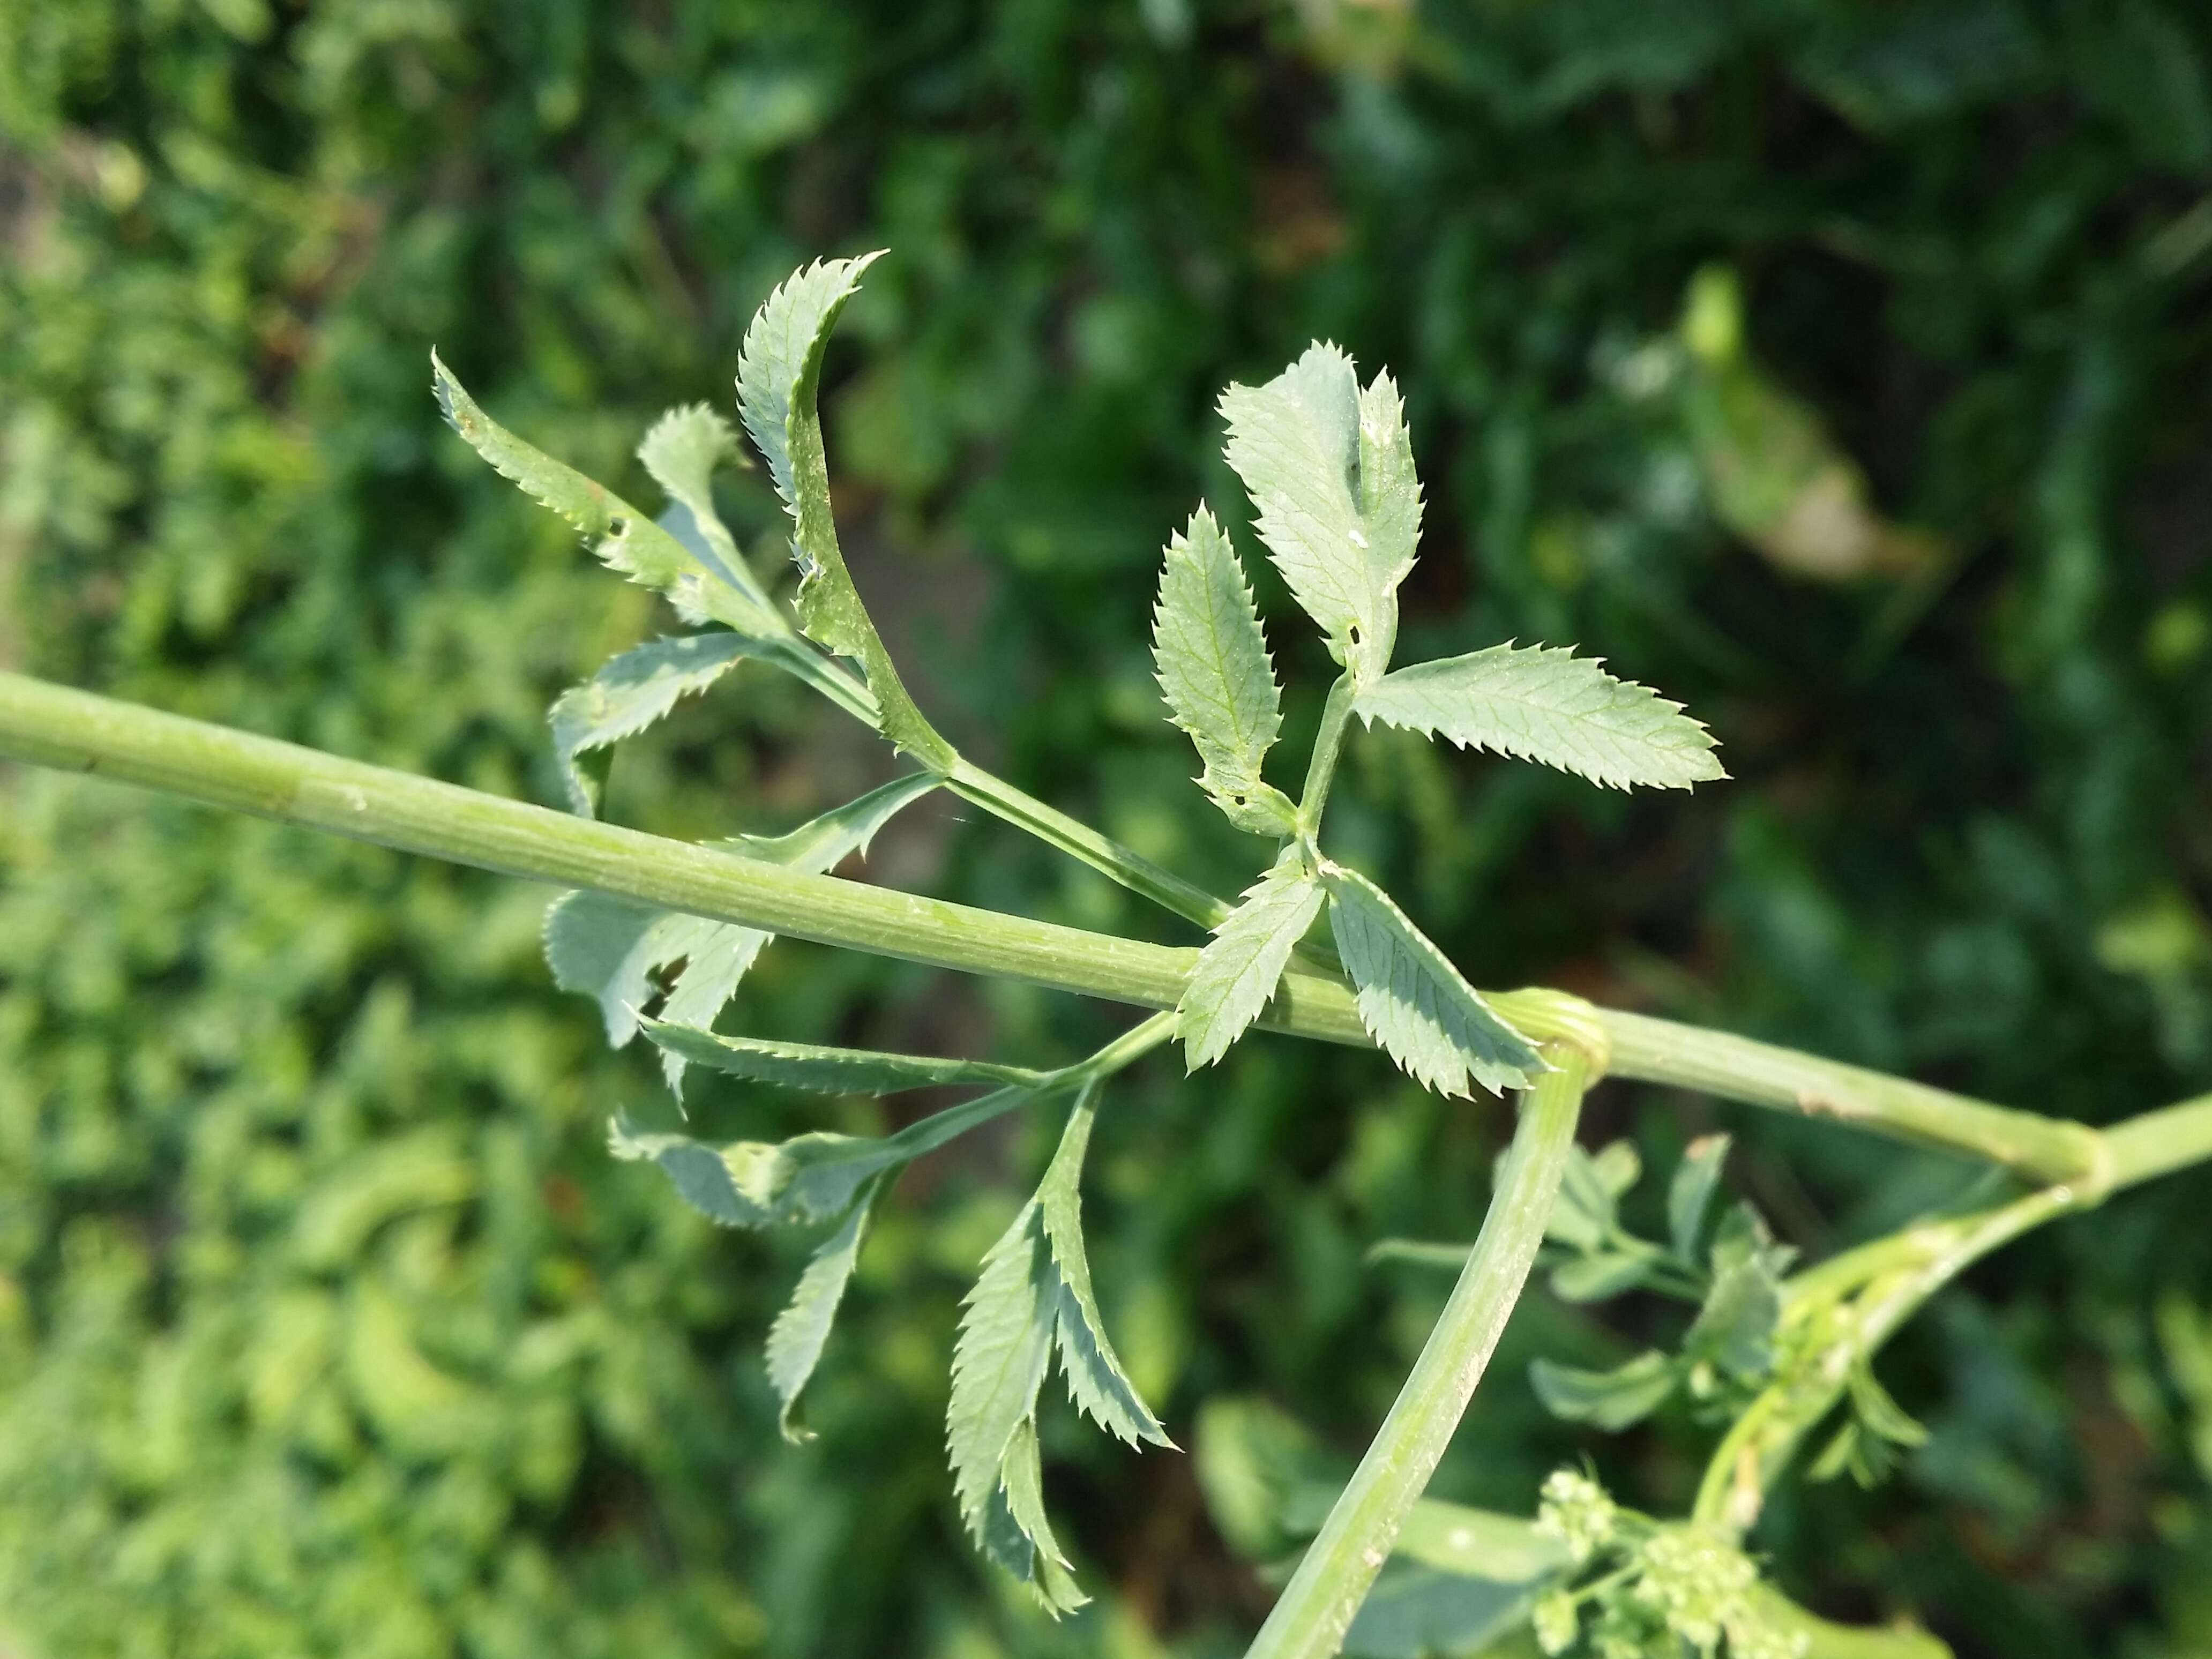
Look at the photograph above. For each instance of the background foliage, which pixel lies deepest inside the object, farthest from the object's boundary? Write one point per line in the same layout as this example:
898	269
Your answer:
325	1324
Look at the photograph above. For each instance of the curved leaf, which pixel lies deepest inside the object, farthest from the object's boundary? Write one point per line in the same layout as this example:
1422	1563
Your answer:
1545	704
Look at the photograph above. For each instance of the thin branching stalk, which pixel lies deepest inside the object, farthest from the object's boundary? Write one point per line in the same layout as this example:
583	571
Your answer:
1315	1609
1850	1306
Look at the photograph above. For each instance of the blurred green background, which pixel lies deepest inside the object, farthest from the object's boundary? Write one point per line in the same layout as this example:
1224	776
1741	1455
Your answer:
325	1324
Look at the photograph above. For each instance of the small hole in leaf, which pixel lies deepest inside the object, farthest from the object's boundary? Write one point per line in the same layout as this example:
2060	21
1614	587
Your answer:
618	526
1355	633
1237	799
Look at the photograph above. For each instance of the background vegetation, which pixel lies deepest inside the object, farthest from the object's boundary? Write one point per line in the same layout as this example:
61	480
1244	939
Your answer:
325	1324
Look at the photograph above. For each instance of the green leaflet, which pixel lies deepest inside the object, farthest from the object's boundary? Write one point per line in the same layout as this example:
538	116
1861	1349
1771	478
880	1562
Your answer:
1033	1294
1047	1571
1095	1378
1544	703
998	1362
1330	473
796	1340
778	372
1413	1002
1690	1194
630	693
1212	659
1239	968
613	949
827	1071
1734	1330
1611	1400
681	452
624	539
808	1178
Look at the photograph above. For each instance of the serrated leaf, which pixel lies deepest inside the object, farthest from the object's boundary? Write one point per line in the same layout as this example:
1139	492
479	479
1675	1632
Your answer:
1611	1400
808	1178
779	373
632	691
1389	491
796	1340
1544	703
1021	1485
825	1070
623	539
1211	660
1330	473
680	451
1413	1002
615	949
1238	971
1690	1194
1095	1380
1000	1360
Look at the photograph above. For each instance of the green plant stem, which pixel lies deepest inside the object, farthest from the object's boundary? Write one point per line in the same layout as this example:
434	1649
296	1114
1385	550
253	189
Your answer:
2041	1149
1841	1312
1072	835
1759	1443
846	688
1315	1609
53	726
1130	1046
1327	749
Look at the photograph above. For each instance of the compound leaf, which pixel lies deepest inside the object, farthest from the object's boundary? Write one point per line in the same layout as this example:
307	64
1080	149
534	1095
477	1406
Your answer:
630	693
779	373
825	1070
796	1340
681	452
1211	660
1000	1360
1415	1004
1300	444
1544	703
1095	1379
623	539
1238	971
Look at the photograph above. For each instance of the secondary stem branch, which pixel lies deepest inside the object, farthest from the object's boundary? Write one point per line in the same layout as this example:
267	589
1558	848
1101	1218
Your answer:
1310	1617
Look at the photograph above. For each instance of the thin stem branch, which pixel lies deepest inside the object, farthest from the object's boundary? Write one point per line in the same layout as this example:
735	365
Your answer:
1315	1609
1329	747
53	725
1072	835
1840	1313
